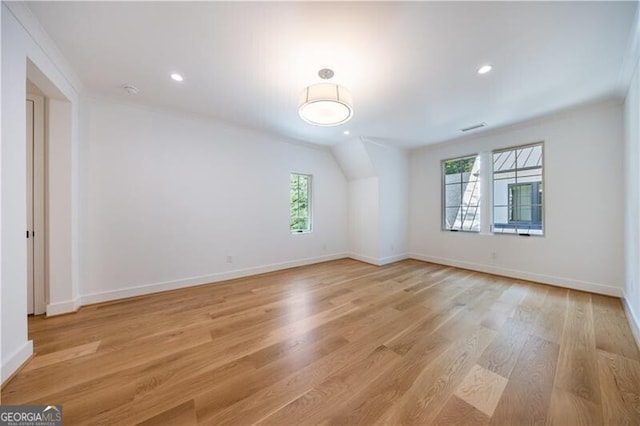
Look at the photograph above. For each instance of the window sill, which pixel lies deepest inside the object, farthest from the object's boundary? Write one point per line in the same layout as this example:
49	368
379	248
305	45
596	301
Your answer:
300	232
465	231
515	234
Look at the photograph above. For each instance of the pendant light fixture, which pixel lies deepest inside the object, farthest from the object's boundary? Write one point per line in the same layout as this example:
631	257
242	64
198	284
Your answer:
325	104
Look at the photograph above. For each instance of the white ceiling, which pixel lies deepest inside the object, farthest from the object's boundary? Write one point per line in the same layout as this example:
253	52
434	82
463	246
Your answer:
410	66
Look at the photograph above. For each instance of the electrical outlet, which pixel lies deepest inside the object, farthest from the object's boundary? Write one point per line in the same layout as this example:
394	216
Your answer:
494	256
229	259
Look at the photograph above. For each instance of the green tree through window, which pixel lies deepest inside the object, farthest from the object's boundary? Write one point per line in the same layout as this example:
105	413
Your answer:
459	166
300	202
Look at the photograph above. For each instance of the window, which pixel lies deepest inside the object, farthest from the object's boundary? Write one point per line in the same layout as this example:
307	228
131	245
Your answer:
525	202
300	203
517	190
461	194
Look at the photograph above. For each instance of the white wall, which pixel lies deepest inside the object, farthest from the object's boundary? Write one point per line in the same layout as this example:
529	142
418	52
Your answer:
18	47
582	246
364	199
632	202
15	347
170	197
60	216
378	199
392	166
354	160
1	285
364	220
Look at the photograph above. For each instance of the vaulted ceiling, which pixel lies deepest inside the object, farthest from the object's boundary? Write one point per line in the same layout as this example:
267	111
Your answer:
411	66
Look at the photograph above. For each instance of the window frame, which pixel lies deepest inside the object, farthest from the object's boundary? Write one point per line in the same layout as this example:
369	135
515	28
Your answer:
535	200
443	194
542	184
309	204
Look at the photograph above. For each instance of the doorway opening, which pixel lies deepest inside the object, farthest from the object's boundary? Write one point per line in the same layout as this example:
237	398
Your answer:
36	210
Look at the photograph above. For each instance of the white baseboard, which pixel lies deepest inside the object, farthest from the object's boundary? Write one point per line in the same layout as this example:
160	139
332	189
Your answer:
378	261
391	259
634	321
523	275
365	259
200	280
15	361
60	308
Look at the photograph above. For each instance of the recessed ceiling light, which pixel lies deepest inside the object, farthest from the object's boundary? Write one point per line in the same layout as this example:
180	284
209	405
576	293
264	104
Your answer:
177	77
346	132
131	89
484	69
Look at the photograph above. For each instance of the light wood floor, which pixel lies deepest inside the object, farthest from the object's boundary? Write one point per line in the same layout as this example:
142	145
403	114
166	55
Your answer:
344	343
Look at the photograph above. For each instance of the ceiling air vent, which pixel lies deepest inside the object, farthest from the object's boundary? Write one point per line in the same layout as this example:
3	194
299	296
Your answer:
474	127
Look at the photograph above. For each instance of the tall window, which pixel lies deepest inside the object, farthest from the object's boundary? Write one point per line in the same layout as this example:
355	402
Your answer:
461	194
517	190
300	202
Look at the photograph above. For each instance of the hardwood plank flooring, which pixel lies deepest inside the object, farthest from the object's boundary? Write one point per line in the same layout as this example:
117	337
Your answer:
340	342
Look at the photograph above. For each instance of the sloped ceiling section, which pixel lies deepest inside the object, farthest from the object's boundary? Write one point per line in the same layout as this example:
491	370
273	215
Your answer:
411	66
354	159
